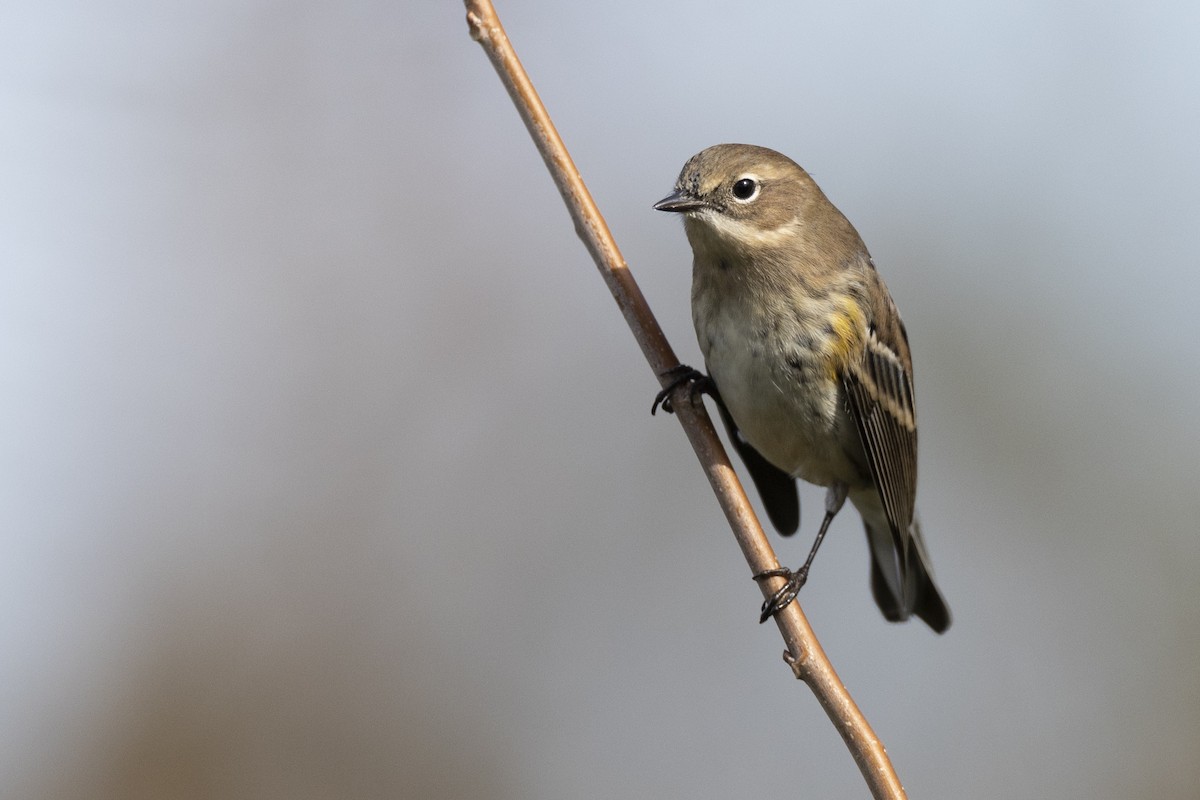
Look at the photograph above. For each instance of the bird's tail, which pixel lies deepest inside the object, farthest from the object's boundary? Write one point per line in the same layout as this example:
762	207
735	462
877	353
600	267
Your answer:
902	578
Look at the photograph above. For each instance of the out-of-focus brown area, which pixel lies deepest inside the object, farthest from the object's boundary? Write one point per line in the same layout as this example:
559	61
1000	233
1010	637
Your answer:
327	467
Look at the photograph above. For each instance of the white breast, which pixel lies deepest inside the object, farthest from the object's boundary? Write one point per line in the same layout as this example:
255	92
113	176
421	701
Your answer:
776	389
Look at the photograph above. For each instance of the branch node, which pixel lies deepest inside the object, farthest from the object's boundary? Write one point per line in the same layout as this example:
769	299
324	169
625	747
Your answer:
475	26
796	663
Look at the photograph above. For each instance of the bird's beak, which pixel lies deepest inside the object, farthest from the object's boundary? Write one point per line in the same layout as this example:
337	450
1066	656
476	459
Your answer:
680	201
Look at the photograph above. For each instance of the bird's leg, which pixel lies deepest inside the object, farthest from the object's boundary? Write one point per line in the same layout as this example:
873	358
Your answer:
679	375
834	498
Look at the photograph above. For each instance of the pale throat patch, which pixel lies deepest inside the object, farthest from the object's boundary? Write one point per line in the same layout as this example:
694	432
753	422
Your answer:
745	233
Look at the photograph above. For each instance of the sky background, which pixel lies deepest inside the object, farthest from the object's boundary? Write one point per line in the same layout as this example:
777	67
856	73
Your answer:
327	466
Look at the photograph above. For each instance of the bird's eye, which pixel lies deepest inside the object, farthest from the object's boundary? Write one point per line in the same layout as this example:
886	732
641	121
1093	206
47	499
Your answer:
745	189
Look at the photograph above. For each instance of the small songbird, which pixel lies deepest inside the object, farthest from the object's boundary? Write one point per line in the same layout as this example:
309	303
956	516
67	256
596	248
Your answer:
808	361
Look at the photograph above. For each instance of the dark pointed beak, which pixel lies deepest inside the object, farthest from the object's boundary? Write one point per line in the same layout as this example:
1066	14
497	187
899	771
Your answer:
679	201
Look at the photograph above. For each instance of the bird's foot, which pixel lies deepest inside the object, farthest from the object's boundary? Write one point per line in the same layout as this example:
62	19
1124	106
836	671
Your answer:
679	375
786	594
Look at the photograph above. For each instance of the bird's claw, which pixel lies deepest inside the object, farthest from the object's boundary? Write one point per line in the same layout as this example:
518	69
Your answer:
679	375
786	594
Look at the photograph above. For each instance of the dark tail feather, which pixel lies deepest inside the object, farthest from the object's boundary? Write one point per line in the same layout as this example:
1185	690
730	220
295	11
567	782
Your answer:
889	573
888	603
924	598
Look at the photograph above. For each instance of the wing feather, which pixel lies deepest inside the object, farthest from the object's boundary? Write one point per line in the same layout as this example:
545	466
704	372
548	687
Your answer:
880	396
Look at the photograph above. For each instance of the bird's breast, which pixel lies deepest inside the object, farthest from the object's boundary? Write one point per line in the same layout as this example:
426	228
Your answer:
777	363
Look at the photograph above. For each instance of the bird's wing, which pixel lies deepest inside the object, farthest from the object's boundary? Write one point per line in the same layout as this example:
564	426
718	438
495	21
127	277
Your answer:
879	393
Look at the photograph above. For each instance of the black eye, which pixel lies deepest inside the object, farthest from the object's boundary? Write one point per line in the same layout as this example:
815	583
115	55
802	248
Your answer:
745	188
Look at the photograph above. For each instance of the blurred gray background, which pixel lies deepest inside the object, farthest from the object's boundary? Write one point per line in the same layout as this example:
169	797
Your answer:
327	466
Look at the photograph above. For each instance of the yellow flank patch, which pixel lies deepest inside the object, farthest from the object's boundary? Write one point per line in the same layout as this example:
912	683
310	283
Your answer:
848	323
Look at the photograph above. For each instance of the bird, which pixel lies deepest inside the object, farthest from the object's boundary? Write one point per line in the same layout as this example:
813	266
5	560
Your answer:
808	362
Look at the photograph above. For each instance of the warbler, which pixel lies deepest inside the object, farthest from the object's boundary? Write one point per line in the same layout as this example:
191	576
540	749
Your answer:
808	361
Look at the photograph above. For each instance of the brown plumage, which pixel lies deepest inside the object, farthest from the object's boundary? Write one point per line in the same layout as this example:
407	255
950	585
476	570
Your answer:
809	358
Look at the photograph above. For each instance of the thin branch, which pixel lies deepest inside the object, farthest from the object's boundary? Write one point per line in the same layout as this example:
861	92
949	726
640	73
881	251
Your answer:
804	653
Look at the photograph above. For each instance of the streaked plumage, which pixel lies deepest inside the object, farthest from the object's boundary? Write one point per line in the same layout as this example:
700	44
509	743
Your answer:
808	356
